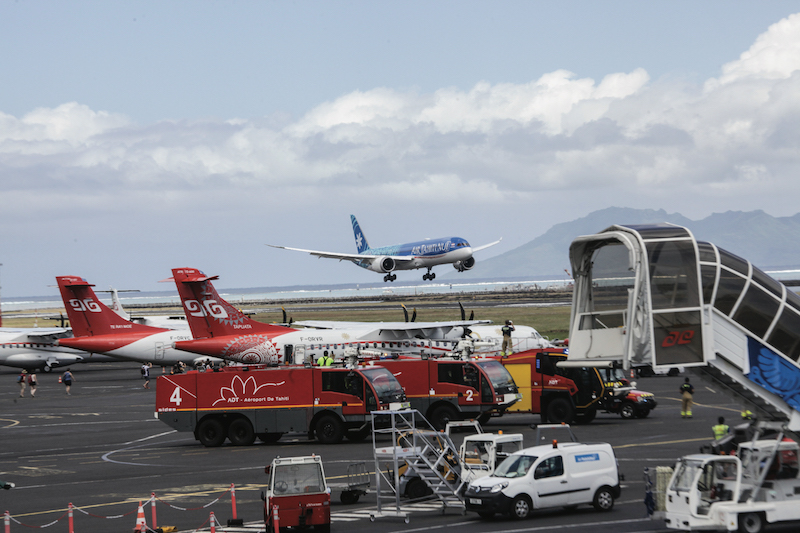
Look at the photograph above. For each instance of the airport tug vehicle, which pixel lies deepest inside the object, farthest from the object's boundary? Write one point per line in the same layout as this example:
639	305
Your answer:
296	494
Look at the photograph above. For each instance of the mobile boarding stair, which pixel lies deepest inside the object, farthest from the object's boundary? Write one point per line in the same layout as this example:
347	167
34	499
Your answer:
431	454
652	295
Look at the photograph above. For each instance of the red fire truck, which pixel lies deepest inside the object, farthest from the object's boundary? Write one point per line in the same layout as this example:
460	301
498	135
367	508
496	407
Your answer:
452	389
242	403
563	392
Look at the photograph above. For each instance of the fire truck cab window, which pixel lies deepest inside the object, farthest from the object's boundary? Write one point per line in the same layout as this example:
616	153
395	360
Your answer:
451	373
343	382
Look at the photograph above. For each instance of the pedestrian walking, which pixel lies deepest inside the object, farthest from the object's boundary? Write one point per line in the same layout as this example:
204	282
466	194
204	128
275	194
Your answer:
686	390
32	382
146	374
66	379
21	379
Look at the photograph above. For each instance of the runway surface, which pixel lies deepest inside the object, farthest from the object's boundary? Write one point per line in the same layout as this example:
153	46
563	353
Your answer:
102	450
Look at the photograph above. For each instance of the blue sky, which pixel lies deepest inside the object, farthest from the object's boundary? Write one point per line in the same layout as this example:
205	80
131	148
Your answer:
140	136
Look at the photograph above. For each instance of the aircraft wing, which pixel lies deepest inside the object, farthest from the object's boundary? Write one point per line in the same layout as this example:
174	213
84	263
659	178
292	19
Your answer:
479	248
390	331
345	256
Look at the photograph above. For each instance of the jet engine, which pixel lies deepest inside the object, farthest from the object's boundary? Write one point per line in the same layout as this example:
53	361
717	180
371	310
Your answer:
466	264
383	264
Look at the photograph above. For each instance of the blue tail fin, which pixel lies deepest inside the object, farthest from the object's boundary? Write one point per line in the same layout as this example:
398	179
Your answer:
361	242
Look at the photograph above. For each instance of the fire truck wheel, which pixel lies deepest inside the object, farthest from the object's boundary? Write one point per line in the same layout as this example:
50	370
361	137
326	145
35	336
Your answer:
441	415
751	523
323	528
586	416
628	410
642	413
241	433
270	438
329	429
559	410
211	433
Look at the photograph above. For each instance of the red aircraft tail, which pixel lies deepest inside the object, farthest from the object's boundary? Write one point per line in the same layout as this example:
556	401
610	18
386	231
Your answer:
88	316
208	314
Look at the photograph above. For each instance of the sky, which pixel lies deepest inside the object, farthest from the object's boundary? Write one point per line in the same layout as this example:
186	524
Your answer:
137	137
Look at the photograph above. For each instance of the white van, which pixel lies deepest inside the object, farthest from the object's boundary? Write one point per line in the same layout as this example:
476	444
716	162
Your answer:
542	477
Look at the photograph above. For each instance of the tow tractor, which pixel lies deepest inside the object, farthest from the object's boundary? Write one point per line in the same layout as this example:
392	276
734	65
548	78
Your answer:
296	494
743	492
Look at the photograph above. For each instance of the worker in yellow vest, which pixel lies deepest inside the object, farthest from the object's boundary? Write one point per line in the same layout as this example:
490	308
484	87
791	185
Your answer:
721	429
325	360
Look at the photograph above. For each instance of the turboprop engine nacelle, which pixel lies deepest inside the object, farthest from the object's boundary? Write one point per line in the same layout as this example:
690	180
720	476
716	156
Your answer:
466	264
383	264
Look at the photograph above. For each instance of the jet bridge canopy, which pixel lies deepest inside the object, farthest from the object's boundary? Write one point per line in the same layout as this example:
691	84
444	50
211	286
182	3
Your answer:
654	295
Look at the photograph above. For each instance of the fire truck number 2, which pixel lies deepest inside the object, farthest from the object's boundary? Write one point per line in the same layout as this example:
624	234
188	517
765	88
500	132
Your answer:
677	338
470	392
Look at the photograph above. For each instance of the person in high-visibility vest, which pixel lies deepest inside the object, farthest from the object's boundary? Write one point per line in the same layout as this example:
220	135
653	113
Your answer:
507	329
721	429
687	391
325	360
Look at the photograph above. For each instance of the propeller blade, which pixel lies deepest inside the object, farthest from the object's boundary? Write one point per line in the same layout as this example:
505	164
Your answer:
405	311
414	315
463	313
472	315
284	315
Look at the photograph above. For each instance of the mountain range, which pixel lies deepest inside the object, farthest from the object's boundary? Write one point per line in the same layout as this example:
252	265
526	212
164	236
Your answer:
768	242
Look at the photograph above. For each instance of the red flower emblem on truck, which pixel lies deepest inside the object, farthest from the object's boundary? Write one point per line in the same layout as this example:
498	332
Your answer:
242	389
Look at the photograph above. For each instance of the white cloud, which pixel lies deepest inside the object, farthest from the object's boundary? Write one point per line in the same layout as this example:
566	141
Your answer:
493	147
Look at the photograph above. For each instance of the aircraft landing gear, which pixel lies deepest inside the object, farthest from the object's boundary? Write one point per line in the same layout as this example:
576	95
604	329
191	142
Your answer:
390	277
429	276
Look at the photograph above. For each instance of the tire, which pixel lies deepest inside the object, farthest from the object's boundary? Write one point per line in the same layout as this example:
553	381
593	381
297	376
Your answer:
520	507
270	438
357	435
349	497
628	410
483	419
241	433
751	523
441	415
560	410
586	416
323	528
643	413
417	489
603	499
211	433
329	429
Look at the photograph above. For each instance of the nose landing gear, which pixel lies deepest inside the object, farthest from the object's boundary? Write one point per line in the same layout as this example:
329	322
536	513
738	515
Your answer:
390	277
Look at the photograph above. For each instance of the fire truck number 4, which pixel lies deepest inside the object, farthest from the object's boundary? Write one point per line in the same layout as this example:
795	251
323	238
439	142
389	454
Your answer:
176	397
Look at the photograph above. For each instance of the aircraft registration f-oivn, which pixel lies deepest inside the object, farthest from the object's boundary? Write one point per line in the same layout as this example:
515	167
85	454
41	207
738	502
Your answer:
407	256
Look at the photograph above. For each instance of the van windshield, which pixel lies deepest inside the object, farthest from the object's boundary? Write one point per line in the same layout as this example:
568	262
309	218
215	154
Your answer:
515	466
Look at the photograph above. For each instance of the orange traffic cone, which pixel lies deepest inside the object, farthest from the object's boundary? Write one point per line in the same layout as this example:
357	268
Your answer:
141	523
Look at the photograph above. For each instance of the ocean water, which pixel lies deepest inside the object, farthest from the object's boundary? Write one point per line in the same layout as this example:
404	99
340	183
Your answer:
300	293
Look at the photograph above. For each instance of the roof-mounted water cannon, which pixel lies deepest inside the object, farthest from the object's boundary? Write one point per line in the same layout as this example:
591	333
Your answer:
353	355
466	347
